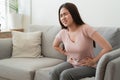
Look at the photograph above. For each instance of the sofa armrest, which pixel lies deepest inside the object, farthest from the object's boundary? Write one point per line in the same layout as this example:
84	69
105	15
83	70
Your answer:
102	64
112	70
5	47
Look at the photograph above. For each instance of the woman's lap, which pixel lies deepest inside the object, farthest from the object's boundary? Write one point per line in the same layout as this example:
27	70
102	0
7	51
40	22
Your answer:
79	72
66	70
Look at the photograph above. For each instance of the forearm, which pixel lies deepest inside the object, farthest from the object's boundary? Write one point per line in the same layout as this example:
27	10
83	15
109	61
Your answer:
103	43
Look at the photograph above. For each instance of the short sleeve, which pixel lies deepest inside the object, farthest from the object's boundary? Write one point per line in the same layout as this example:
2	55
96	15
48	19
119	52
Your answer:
58	37
89	30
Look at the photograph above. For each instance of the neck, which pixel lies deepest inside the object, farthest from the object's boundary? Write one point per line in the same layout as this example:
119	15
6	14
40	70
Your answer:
73	28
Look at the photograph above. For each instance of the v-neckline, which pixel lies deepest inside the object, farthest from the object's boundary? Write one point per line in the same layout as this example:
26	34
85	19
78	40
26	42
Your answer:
76	39
70	38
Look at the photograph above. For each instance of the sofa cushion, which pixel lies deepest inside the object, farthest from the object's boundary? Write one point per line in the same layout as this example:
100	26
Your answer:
26	44
24	68
48	35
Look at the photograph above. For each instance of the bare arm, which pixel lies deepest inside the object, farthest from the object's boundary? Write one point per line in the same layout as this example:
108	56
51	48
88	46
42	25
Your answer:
56	45
104	44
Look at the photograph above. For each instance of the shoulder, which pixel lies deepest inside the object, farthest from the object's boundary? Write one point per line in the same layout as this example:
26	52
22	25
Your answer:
62	31
87	27
88	30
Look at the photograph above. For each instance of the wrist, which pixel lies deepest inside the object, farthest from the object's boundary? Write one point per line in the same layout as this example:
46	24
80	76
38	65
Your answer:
95	60
64	52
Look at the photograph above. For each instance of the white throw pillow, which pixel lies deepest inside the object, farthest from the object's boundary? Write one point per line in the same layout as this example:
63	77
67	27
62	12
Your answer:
26	44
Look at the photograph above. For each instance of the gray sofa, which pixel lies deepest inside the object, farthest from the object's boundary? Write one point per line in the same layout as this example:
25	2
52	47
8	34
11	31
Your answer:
39	68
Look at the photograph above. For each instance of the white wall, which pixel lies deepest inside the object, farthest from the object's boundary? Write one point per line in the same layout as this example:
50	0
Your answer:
93	12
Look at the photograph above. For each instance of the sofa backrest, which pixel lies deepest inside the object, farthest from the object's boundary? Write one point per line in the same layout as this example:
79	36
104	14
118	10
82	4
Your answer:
5	48
49	33
112	34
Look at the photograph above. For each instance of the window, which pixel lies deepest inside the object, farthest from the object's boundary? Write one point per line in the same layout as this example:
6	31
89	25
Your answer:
3	14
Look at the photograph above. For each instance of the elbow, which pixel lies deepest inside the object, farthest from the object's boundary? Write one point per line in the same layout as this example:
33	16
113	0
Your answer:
54	46
109	49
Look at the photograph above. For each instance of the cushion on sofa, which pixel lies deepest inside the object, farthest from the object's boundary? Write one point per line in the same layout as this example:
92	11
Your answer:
26	44
24	68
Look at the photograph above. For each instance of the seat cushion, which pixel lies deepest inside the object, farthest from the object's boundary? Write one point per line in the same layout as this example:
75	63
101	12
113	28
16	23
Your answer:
43	74
24	68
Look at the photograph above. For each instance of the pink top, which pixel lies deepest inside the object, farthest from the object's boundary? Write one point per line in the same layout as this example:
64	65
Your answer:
81	48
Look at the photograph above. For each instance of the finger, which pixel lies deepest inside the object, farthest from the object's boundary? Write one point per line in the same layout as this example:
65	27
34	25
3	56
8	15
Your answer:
84	64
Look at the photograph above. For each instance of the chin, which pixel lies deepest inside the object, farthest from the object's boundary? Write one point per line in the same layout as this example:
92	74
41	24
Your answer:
66	25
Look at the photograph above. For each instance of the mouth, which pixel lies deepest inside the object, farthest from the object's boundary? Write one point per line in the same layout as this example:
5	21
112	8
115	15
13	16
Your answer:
64	22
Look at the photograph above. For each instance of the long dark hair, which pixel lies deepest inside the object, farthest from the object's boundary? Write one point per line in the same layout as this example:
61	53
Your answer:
74	13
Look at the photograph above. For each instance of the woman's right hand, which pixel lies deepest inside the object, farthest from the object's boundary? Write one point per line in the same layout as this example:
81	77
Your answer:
88	62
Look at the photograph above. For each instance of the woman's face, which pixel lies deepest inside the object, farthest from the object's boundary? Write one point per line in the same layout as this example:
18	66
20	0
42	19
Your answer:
65	17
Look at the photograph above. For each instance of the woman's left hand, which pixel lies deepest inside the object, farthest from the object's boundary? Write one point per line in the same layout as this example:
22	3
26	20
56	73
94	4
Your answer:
88	62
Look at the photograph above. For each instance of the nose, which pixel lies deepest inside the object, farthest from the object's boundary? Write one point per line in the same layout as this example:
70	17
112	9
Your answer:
63	17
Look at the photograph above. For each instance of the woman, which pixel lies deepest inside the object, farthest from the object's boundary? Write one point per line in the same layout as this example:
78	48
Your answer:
77	38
